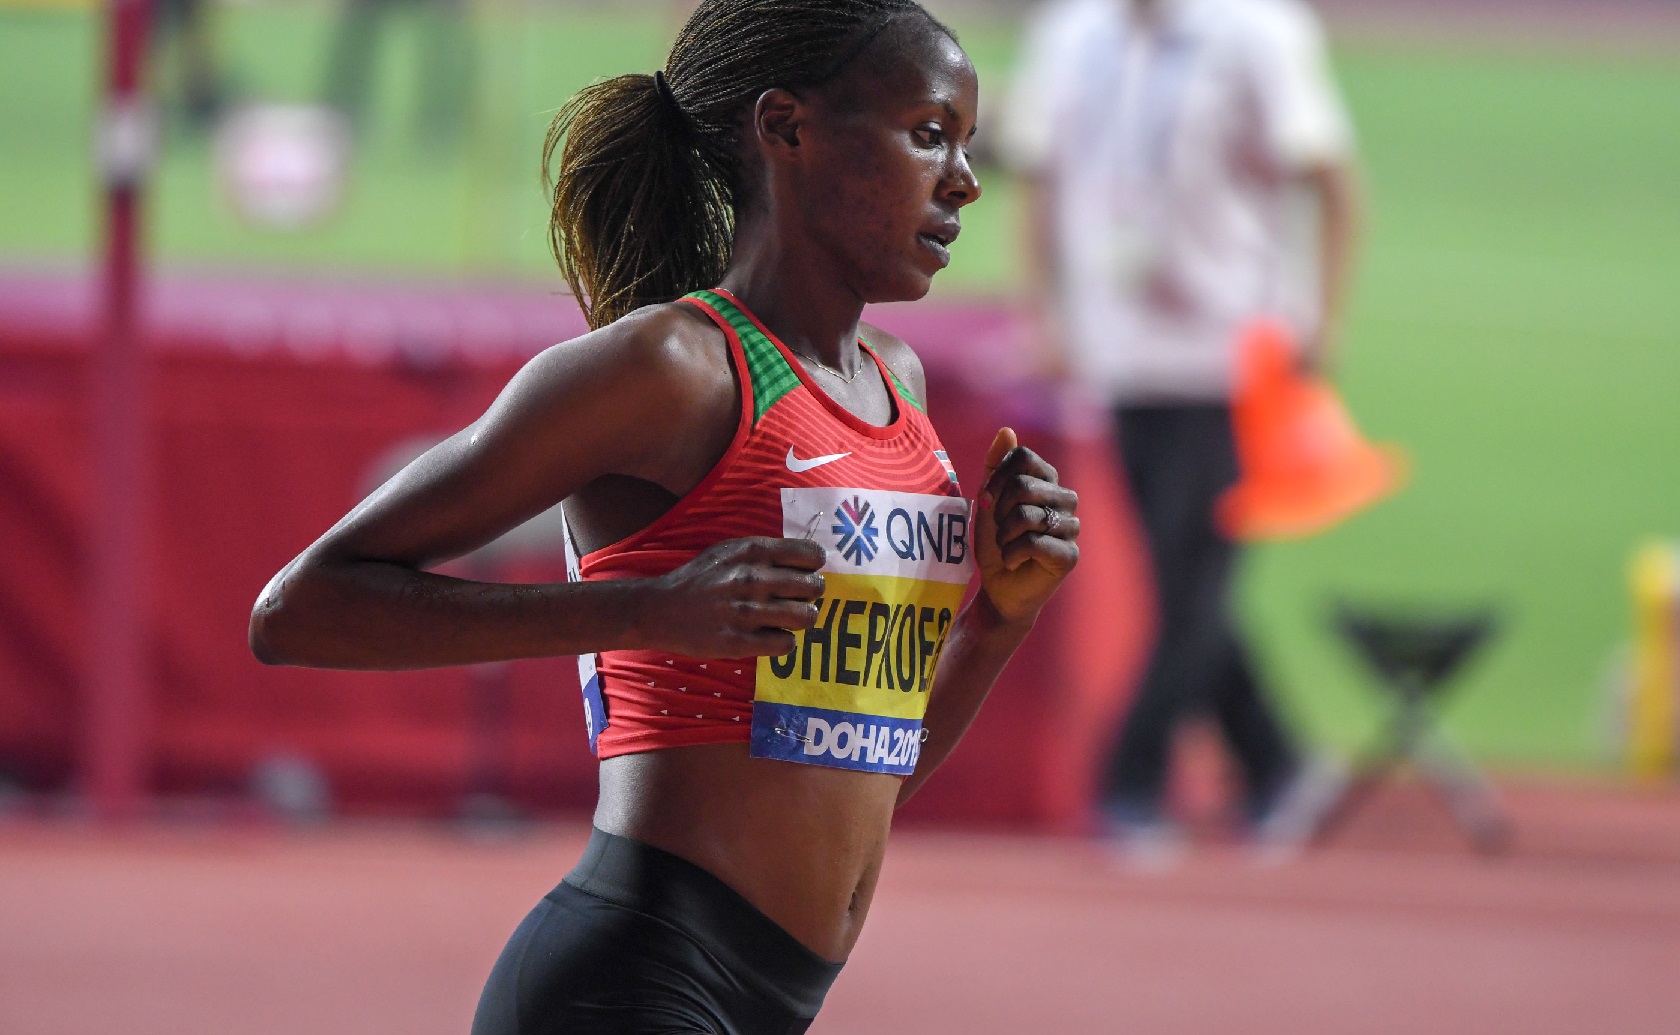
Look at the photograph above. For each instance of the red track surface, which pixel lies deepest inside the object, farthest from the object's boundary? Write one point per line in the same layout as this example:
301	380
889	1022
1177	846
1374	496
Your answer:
364	929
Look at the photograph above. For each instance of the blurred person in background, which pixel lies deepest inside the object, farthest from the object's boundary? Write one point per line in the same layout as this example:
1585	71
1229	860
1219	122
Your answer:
182	31
745	470
445	74
1190	169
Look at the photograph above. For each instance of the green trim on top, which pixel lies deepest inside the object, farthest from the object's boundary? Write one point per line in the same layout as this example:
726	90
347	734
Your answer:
767	369
904	392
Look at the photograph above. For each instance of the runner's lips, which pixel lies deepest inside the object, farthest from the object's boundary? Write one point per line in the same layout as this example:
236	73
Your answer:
944	233
938	240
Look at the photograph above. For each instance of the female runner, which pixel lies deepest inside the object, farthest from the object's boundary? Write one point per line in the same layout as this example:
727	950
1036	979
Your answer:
772	547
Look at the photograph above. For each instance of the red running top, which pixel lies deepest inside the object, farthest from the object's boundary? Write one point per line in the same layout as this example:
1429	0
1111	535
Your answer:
885	503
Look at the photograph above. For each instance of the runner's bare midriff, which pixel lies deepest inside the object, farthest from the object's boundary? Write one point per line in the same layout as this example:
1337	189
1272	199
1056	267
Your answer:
801	843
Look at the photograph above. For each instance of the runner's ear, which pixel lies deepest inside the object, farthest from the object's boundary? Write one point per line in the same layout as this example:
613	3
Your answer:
777	118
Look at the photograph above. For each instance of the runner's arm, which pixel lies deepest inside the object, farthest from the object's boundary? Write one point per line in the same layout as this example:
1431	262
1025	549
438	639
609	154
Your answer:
611	402
1023	555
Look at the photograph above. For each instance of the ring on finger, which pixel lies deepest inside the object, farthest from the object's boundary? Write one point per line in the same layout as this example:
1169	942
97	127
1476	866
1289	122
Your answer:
1051	519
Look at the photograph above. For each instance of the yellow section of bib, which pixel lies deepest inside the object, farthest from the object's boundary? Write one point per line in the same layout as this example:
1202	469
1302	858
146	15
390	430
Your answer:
873	650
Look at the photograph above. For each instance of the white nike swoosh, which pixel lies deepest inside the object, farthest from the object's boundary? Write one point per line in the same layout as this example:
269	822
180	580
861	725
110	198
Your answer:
797	465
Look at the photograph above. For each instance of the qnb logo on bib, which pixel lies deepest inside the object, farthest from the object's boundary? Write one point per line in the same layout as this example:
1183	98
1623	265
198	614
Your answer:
855	526
921	536
895	534
852	692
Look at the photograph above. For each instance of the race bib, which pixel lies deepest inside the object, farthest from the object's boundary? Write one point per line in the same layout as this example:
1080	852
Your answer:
852	693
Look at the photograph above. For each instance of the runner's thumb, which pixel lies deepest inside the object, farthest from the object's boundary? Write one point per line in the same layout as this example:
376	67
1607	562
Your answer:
1002	443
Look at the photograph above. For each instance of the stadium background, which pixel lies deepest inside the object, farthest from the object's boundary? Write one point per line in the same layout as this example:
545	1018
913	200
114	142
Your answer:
1515	326
1514	323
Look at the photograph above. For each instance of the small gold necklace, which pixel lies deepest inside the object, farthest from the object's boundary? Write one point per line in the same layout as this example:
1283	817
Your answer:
832	372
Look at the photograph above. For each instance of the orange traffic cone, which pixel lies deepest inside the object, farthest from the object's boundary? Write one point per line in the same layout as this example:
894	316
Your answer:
1304	466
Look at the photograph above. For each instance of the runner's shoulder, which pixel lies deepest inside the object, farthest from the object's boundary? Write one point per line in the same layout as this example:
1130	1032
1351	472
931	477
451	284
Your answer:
664	341
659	352
899	357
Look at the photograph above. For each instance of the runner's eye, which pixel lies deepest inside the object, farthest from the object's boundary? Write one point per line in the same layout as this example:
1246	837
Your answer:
930	135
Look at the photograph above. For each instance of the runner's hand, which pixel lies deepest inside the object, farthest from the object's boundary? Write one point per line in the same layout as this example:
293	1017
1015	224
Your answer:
1024	529
737	599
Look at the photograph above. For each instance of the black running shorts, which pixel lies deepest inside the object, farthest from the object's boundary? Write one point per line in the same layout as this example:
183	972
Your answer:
636	941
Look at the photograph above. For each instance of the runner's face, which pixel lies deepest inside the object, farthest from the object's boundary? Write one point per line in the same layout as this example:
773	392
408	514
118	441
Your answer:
889	161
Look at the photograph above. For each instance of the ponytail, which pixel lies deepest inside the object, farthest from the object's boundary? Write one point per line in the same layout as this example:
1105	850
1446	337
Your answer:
643	203
641	213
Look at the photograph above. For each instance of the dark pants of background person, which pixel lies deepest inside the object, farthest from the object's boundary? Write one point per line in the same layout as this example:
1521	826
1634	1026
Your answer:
447	57
1178	459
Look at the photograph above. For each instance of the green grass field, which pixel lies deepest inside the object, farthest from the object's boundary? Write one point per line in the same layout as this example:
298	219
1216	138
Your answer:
1516	325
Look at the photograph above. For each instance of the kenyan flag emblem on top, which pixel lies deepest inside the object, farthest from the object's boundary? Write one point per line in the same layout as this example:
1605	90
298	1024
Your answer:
945	462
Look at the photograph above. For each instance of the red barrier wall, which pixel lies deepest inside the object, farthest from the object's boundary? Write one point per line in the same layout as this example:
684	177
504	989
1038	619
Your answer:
273	406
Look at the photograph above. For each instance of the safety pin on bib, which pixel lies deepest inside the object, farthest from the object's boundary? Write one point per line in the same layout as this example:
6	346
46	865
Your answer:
809	534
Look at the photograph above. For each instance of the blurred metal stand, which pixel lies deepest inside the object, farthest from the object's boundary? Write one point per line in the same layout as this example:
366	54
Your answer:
487	807
114	713
1414	657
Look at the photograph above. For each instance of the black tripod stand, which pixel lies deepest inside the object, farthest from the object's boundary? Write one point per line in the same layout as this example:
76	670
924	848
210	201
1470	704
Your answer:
1414	657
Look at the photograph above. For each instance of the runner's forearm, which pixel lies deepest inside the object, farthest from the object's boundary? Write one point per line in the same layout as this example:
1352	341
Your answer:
980	644
376	615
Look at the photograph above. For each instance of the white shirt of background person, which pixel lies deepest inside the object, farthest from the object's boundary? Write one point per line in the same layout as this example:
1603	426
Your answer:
1190	168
